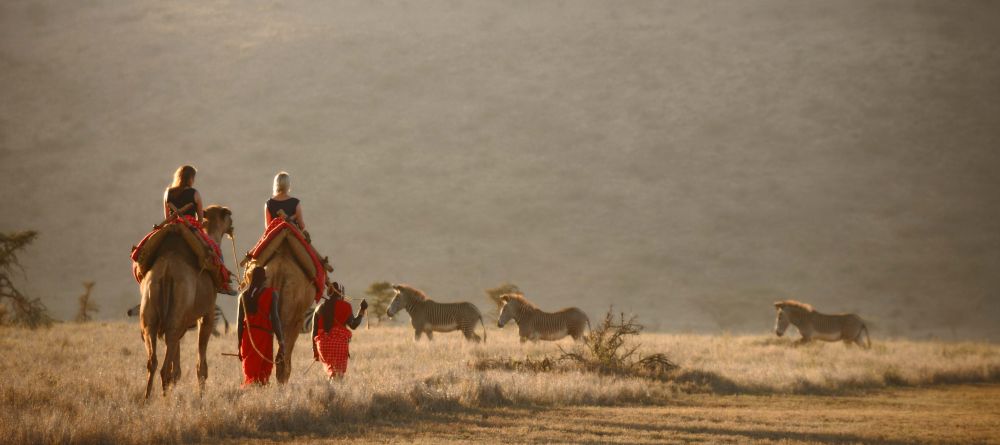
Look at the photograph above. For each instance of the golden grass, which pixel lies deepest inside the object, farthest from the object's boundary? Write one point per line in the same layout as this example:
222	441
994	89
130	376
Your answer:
83	383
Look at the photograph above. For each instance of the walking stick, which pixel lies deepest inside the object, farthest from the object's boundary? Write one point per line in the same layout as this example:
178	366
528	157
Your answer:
306	371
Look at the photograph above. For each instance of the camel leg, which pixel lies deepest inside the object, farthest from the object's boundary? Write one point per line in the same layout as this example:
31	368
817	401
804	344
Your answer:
284	367
170	372
205	327
150	340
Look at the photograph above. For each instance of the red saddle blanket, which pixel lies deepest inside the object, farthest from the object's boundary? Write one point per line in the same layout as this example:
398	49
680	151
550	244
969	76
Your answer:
207	251
280	230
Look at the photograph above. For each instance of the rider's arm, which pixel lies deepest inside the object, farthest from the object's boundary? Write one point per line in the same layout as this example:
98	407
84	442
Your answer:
197	205
267	217
298	217
166	204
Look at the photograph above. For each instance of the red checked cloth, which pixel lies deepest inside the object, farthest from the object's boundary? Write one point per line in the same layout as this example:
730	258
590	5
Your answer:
333	349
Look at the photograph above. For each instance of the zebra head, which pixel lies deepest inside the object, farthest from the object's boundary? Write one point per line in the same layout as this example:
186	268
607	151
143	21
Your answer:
780	323
397	303
508	307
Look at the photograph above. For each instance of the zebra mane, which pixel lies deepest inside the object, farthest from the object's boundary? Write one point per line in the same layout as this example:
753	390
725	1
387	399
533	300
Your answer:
519	298
793	304
417	294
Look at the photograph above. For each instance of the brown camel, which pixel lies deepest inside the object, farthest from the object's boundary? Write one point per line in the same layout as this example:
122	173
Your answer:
176	293
296	293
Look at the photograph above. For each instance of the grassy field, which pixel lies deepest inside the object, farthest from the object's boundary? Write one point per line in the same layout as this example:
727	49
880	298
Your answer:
83	384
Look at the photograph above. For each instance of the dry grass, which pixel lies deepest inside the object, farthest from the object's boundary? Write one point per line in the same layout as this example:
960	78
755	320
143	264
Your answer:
83	383
938	415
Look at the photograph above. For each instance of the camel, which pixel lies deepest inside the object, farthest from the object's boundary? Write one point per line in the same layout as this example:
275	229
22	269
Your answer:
177	292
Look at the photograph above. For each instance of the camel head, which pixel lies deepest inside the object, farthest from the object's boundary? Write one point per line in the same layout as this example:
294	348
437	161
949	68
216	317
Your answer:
218	221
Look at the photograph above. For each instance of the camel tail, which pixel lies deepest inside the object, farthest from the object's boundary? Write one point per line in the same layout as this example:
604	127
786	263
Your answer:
165	298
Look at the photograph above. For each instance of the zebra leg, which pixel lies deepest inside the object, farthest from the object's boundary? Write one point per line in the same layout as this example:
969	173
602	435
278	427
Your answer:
523	339
416	335
430	335
472	336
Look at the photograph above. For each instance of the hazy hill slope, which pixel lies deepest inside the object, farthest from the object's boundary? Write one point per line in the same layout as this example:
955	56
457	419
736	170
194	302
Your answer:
654	155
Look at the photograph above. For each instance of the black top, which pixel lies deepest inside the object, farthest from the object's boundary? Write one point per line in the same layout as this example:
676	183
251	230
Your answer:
181	198
289	205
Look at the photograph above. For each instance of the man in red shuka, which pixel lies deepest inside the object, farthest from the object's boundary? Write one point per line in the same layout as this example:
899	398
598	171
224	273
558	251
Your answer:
330	334
258	320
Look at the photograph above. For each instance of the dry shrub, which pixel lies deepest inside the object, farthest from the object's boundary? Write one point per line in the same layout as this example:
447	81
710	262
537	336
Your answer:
604	351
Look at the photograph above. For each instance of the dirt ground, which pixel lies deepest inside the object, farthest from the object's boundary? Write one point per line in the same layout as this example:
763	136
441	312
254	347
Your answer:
952	414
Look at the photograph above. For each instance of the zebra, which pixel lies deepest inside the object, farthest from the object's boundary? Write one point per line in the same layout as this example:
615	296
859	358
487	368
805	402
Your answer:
429	316
534	324
134	311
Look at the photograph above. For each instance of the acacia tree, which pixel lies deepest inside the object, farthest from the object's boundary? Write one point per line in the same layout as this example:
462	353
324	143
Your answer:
86	304
494	294
19	309
380	293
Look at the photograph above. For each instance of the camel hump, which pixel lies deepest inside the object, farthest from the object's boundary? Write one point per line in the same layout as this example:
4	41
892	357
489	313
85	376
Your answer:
207	254
283	236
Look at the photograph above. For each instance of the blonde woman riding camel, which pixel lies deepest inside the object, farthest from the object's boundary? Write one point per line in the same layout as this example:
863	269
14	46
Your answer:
281	200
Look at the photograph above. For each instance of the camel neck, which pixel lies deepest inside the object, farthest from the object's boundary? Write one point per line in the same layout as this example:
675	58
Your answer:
215	234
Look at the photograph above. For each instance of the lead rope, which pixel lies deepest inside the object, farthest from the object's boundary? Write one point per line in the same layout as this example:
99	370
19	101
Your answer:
232	237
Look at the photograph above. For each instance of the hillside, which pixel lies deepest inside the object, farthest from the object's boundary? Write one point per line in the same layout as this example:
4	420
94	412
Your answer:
669	158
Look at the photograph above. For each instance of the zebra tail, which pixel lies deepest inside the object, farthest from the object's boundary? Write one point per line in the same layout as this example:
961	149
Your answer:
484	327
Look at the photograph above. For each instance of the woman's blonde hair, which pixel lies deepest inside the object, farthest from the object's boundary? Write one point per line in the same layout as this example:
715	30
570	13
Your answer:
183	177
282	183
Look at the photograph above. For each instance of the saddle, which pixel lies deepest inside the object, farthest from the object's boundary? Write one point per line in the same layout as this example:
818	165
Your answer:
207	252
282	232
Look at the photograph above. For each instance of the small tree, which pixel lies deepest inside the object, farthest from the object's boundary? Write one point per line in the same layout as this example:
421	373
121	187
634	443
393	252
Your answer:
380	293
494	294
20	310
86	305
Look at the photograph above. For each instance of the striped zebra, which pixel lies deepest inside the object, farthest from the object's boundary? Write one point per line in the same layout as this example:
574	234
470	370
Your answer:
429	316
534	324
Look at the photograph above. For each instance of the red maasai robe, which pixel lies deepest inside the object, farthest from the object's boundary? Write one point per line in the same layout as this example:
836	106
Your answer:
332	344
257	369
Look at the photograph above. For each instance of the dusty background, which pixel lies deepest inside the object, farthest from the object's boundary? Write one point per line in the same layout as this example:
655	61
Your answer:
672	158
